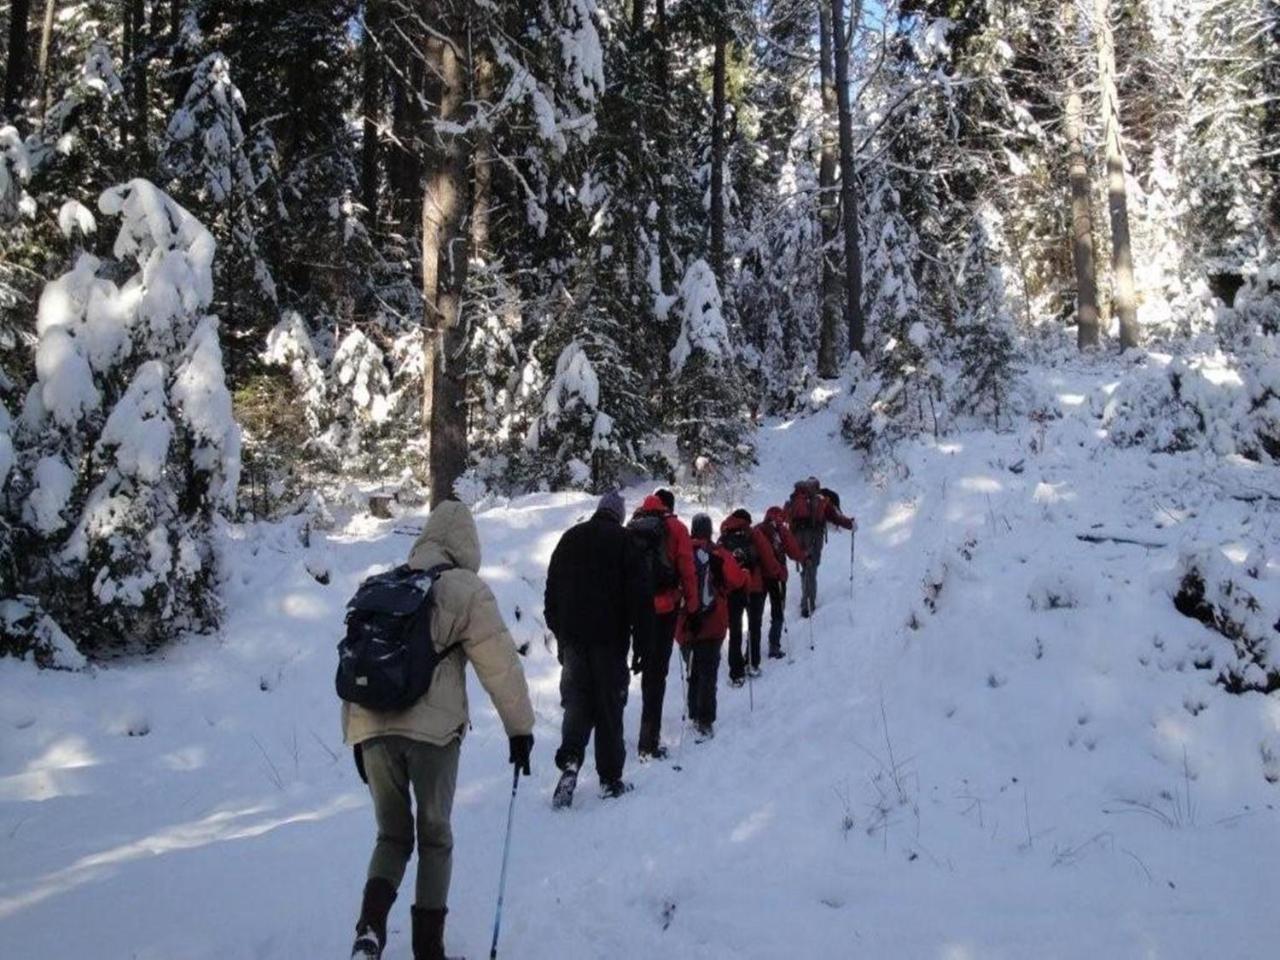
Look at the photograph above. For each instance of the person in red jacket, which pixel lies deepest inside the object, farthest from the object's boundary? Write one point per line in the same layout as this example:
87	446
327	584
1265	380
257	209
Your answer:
785	547
753	552
665	541
808	512
718	576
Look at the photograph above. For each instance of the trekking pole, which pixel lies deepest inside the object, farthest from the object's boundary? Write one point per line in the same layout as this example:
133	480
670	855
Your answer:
853	539
684	686
506	854
751	684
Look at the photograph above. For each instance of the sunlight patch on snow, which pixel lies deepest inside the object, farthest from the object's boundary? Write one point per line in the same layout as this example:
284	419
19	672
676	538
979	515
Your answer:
753	825
980	484
186	759
40	785
219	827
304	606
1072	399
957	951
66	754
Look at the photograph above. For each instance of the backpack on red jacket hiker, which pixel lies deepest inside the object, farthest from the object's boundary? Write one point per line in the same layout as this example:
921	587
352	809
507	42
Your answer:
739	542
805	506
650	531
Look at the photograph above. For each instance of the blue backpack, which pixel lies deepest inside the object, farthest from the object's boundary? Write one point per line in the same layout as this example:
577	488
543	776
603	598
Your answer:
387	658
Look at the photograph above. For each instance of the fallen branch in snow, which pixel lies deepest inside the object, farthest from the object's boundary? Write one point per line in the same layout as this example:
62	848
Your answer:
1108	538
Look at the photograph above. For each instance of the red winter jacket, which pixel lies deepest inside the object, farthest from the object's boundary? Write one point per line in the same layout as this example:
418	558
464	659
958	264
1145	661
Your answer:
780	536
680	551
715	622
767	565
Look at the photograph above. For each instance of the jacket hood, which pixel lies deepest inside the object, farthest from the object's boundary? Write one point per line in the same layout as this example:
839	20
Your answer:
775	514
450	536
734	522
652	503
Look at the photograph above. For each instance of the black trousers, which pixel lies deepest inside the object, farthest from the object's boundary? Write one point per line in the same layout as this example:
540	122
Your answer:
593	692
753	605
653	680
777	592
703	660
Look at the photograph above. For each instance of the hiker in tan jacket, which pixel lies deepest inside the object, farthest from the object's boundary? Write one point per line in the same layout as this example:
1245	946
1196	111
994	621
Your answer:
418	748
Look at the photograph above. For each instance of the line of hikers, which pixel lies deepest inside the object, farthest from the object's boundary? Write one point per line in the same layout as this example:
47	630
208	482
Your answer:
653	584
610	588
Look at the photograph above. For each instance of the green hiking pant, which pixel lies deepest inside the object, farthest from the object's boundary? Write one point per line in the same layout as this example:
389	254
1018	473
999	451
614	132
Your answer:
393	765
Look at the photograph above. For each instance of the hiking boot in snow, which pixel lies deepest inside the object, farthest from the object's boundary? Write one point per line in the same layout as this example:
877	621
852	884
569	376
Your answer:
736	681
652	753
371	928
563	797
775	653
428	933
753	671
612	789
706	731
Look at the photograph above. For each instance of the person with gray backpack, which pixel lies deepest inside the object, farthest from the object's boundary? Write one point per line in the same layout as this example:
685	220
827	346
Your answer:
402	678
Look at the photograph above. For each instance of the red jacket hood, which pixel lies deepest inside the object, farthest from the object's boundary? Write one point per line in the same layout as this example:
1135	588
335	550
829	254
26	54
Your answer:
775	514
733	523
652	503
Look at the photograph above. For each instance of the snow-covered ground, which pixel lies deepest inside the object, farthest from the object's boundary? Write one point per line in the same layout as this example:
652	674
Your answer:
994	743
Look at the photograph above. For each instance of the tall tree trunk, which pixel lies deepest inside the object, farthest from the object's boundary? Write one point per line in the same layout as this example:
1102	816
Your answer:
829	333
138	62
661	85
1123	296
42	64
371	108
482	160
1081	223
444	254
15	77
637	15
717	151
853	315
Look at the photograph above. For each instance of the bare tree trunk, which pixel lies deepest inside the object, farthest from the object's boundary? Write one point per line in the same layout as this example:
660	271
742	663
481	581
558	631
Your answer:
444	254
829	333
853	315
637	15
717	151
371	108
1081	223
661	84
42	65
15	77
1123	297
482	161
138	62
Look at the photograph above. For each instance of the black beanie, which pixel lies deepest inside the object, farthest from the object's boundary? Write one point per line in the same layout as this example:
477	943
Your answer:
700	529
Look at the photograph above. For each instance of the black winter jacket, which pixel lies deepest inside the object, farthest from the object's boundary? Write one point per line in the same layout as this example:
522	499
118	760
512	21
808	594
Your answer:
598	590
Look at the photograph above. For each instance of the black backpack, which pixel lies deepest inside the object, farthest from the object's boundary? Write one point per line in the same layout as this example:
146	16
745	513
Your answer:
650	531
387	659
832	496
740	543
804	507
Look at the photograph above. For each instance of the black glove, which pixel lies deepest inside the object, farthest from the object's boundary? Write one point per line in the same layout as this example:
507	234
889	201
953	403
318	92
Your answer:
358	752
521	748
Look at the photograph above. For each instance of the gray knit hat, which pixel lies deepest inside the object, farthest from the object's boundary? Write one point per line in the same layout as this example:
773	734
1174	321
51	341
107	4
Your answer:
613	504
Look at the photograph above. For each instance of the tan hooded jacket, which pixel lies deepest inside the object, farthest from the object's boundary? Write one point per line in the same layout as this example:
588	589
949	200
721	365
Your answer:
465	613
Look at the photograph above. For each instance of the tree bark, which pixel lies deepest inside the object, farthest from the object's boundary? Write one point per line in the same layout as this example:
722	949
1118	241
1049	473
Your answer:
444	254
42	64
371	108
15	77
637	15
717	151
829	334
853	315
138	62
1081	223
1123	296
661	86
482	161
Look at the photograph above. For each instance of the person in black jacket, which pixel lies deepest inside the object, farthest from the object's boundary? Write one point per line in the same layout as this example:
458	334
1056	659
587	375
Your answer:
598	602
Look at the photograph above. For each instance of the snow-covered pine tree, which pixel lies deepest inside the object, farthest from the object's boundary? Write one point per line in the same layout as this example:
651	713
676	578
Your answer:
710	387
226	171
127	452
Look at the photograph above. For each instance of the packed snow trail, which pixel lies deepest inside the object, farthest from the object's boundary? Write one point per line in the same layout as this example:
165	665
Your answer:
999	748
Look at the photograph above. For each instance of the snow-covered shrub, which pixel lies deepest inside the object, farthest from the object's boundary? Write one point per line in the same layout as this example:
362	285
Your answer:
1210	589
127	451
26	631
1202	403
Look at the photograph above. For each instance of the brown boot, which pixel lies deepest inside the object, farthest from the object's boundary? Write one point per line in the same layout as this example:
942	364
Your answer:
428	933
371	928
